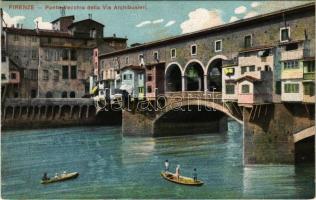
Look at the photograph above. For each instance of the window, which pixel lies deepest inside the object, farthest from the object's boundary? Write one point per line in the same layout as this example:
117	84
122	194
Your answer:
284	34
49	40
64	94
13	76
291	64
149	89
73	54
56	56
245	89
34	54
291	88
291	47
95	53
309	88
73	72
173	53
33	93
126	60
243	70
248	41
140	89
309	66
45	75
47	55
193	49
156	55
49	94
65	54
33	74
56	75
140	57
65	72
252	68
72	94
124	77
3	77
230	89
278	87
218	45
149	77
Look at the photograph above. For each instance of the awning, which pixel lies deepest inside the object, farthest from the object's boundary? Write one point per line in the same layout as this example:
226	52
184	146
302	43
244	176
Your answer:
127	88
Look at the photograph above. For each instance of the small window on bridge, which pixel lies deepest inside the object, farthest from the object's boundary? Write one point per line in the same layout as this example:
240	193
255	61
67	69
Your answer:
230	89
173	53
193	50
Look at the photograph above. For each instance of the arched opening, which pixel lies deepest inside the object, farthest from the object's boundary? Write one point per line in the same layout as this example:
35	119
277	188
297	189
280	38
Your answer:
214	75
173	78
202	120
72	94
9	112
64	94
194	75
75	112
33	93
83	111
305	150
55	112
92	111
65	112
49	94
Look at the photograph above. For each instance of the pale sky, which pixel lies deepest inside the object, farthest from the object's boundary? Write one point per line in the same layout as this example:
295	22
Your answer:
158	19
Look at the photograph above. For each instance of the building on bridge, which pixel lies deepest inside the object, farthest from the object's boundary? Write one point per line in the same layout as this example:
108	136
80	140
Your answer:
52	63
243	59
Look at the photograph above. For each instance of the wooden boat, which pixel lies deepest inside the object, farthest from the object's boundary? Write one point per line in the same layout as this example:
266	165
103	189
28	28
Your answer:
182	179
61	177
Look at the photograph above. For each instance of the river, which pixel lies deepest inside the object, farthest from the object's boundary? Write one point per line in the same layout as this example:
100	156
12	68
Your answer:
112	166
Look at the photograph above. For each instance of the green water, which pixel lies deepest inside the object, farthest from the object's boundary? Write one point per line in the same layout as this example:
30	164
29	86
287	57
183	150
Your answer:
112	166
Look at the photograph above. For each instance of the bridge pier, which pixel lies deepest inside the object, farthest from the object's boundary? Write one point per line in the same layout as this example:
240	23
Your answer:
269	137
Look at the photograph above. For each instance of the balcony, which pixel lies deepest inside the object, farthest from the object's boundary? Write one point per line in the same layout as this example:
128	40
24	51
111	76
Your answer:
309	76
300	49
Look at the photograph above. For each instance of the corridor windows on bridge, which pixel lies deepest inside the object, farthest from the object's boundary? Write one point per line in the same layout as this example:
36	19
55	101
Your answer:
284	34
193	50
245	89
218	45
56	75
45	75
156	56
248	41
126	60
291	64
65	72
194	74
173	53
173	78
149	89
230	89
149	77
64	54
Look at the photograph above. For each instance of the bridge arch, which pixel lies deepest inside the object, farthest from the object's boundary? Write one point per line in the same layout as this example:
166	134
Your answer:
173	80
198	102
214	73
194	72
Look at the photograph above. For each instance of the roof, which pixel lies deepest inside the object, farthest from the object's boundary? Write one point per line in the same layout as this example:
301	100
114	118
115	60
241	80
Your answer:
228	26
41	32
89	20
248	78
133	67
64	17
256	49
114	38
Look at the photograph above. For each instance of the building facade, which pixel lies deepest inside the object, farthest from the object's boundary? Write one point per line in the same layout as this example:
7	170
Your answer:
253	48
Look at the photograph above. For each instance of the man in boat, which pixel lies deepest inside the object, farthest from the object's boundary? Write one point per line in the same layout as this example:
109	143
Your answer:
166	166
45	177
177	174
194	175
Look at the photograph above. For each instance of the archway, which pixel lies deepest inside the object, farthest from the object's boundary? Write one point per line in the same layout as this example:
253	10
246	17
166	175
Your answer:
305	150
214	75
194	76
64	94
173	78
72	94
49	94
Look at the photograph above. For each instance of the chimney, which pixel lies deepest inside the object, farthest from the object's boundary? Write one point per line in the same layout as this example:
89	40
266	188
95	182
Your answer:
114	35
17	25
90	16
21	26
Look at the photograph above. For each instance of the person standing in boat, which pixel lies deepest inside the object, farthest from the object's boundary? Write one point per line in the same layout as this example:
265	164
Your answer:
166	166
45	177
177	172
194	175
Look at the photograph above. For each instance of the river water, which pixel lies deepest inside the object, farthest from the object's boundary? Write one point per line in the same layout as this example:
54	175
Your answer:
112	166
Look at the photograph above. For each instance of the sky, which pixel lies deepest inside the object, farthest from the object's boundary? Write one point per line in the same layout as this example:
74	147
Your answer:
154	20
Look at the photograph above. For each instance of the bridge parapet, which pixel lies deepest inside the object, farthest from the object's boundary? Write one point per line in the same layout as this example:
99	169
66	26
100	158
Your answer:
47	101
